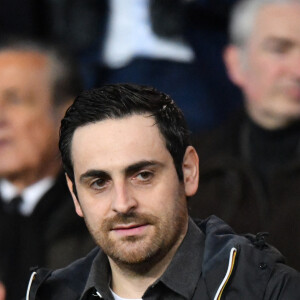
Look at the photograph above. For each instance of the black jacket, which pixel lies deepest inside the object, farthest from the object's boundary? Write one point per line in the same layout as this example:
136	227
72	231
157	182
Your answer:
52	236
257	270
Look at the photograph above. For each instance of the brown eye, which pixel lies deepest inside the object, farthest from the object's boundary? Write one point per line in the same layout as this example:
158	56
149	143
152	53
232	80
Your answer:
144	176
99	184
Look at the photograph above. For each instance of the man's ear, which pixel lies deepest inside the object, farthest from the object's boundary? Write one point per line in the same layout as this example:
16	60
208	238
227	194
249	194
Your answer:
190	168
74	197
235	64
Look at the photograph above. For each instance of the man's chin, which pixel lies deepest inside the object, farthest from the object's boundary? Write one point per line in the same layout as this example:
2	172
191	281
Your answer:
132	250
136	260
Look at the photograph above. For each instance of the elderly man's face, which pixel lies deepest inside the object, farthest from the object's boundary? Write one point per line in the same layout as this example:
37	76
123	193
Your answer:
268	71
128	189
28	128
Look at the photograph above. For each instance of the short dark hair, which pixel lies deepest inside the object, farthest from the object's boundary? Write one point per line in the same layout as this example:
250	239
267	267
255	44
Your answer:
64	70
120	100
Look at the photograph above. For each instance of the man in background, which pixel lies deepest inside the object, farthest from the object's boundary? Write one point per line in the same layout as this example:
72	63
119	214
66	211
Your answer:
251	167
37	223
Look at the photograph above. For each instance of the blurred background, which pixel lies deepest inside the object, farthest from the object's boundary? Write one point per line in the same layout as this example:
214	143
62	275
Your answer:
174	45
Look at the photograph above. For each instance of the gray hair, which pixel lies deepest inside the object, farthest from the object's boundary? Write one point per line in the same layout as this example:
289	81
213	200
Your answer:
64	72
242	19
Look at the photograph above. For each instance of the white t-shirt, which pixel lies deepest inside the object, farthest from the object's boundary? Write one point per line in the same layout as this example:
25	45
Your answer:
116	297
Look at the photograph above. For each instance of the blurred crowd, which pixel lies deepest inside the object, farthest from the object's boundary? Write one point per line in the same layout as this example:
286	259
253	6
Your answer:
232	67
175	46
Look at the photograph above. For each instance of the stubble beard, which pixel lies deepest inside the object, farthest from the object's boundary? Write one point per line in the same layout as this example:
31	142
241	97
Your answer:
140	253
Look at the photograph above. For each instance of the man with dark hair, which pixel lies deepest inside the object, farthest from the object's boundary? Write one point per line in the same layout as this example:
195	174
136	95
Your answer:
38	226
130	167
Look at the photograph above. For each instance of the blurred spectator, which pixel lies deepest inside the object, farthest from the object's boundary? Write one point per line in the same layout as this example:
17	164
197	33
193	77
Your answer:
37	84
175	45
250	169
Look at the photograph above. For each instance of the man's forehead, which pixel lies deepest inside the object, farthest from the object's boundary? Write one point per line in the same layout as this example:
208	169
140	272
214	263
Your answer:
113	132
118	124
115	144
277	19
22	58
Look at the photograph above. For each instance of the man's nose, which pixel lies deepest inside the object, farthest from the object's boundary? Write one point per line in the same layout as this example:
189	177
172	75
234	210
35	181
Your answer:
123	200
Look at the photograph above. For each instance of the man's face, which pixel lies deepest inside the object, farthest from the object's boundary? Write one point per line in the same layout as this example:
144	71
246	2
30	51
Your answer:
128	189
269	68
28	128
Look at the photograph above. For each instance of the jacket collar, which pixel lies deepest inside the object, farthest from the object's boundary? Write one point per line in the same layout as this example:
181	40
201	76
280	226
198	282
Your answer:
190	255
220	240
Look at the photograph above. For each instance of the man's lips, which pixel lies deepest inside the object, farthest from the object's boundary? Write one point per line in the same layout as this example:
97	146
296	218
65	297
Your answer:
130	229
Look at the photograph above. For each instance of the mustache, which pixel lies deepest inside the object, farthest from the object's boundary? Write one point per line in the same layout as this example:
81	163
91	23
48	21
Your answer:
128	218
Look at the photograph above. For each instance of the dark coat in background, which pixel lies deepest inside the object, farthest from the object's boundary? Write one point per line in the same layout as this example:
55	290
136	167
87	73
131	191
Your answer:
230	187
53	236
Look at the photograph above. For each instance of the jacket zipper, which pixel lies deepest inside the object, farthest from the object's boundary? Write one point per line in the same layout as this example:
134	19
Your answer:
98	294
32	277
231	263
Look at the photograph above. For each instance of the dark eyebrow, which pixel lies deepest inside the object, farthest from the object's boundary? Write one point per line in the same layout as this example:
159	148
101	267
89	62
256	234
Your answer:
92	174
129	170
140	165
278	39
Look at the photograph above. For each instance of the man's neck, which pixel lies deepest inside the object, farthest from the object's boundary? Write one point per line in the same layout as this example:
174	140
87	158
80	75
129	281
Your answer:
129	285
269	121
